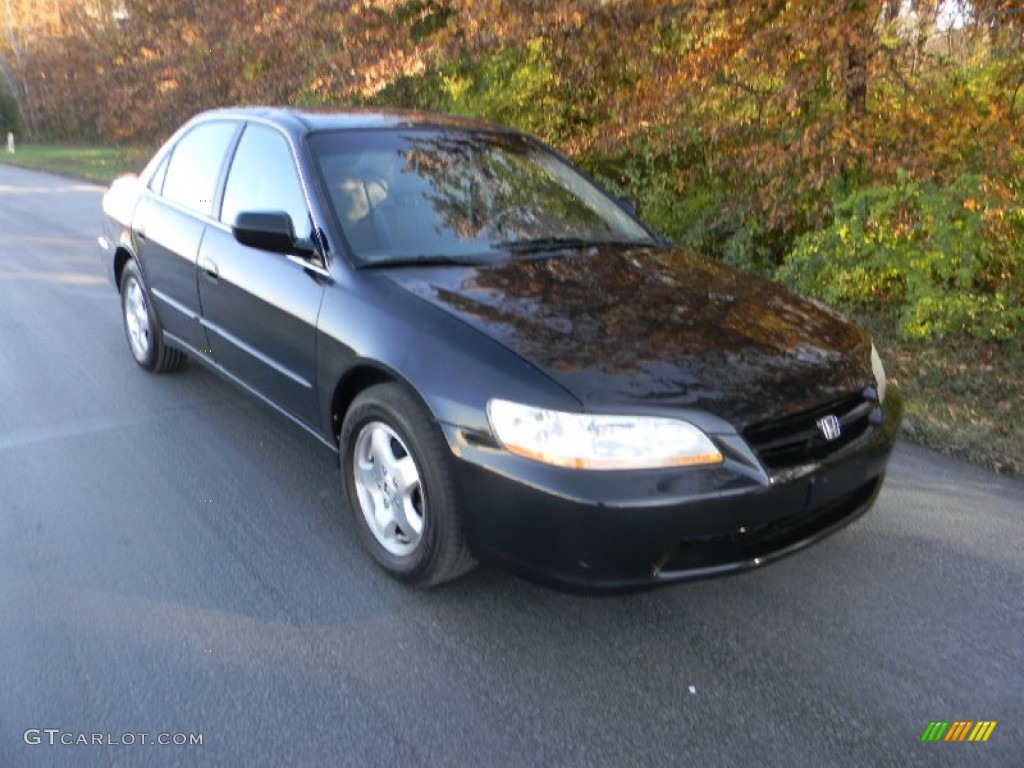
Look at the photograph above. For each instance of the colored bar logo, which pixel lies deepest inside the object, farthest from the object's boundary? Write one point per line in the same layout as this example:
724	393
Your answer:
958	730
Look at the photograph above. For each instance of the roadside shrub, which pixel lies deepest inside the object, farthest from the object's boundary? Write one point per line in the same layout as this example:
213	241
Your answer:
683	201
945	259
518	87
654	180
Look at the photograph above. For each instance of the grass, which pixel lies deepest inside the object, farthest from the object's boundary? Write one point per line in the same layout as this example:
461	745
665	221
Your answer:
964	398
91	163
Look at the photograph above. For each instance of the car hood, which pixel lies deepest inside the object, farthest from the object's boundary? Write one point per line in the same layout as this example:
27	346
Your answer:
657	327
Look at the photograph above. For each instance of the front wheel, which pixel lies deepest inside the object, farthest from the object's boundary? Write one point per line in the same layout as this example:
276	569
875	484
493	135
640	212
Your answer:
396	471
141	326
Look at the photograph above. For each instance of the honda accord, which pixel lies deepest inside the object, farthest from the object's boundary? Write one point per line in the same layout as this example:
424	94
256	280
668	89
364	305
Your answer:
511	367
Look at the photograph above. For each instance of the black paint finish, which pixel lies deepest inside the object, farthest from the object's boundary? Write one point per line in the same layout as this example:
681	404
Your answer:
633	327
658	327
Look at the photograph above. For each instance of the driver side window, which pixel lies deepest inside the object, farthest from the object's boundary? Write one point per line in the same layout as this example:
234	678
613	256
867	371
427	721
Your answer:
263	178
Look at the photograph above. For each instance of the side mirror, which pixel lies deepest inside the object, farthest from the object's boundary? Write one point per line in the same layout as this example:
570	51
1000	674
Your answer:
629	204
268	231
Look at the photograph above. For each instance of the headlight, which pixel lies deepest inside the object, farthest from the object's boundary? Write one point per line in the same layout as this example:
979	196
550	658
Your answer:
590	441
879	371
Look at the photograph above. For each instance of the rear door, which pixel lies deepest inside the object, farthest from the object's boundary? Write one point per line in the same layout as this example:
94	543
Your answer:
169	223
259	308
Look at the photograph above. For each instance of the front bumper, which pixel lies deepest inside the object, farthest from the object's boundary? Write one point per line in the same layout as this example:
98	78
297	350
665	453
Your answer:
107	254
597	531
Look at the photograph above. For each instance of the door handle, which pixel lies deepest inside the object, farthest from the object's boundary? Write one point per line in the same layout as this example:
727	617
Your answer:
211	269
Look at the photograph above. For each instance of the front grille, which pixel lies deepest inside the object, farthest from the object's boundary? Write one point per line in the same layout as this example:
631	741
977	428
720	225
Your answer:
797	439
779	536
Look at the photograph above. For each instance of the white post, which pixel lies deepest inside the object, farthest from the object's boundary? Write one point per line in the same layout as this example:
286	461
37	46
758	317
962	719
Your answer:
10	142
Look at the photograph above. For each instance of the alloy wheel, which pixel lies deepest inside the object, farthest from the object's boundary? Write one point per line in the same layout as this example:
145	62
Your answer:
136	319
389	488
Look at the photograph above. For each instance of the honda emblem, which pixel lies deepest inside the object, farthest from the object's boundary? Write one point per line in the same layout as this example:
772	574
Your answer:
830	426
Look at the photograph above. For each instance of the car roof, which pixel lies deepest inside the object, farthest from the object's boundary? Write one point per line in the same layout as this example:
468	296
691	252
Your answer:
302	120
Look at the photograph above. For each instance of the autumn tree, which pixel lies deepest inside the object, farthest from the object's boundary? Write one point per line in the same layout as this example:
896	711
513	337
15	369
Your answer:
742	126
26	25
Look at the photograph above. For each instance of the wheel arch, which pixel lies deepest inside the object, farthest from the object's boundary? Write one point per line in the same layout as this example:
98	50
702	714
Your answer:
121	257
357	380
441	551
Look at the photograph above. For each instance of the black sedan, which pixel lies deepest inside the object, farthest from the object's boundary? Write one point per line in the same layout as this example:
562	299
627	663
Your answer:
511	367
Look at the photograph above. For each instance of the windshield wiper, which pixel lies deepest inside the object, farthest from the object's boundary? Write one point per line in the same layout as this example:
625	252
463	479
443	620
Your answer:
543	243
427	260
554	243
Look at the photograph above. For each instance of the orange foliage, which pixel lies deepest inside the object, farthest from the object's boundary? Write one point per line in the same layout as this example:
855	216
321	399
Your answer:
779	100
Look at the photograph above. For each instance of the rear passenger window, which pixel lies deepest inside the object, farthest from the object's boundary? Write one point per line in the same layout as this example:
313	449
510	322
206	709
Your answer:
157	182
194	169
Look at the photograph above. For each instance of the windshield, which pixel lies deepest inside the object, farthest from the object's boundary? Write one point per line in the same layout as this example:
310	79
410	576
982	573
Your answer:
406	195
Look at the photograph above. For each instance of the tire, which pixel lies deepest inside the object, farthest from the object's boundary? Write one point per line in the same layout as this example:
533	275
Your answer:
397	474
142	327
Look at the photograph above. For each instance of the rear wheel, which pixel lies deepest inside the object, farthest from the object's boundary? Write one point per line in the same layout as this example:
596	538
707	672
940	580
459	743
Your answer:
142	327
396	471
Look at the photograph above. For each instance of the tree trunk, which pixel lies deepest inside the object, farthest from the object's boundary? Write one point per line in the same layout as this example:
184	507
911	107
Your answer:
14	73
859	26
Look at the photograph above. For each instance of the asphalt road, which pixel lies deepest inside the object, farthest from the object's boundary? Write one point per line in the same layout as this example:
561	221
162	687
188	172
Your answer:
174	559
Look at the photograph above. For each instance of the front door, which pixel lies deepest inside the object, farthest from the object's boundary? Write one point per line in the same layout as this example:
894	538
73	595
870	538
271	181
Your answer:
260	309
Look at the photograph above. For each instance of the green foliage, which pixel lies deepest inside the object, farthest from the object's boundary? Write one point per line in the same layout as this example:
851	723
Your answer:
682	199
945	259
651	179
516	87
425	18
